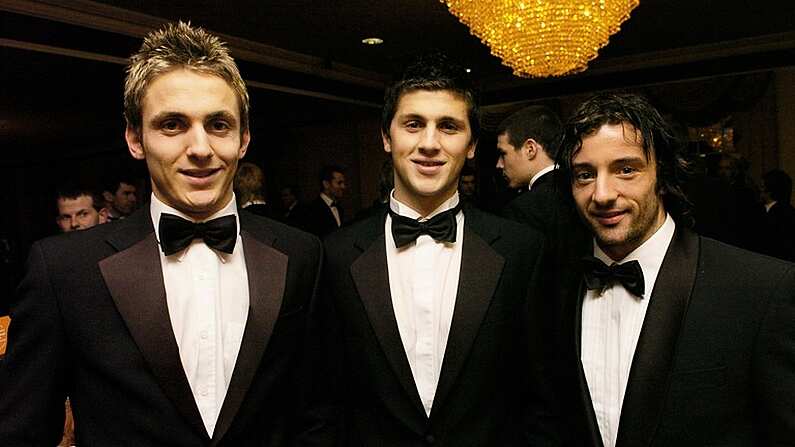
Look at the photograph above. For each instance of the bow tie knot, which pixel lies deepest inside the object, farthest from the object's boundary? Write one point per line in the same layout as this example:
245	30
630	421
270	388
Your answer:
441	227
177	233
599	275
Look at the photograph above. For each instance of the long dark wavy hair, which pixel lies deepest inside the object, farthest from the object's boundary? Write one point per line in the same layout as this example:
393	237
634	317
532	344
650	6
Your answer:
660	143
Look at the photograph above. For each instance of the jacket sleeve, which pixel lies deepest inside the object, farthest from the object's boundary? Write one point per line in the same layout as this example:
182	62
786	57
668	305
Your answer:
774	364
32	375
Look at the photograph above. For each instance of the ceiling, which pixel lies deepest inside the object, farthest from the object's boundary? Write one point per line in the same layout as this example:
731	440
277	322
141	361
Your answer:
304	60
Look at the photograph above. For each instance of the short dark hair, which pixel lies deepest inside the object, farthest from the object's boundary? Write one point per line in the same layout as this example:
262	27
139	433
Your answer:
433	72
779	185
659	143
113	180
327	173
72	192
537	122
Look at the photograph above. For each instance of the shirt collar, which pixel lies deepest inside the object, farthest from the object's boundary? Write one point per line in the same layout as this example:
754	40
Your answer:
538	175
326	199
649	254
404	210
157	207
253	202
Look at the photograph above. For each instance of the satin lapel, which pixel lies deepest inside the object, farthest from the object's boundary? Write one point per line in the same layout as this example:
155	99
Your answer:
371	277
649	377
266	268
134	278
481	268
590	417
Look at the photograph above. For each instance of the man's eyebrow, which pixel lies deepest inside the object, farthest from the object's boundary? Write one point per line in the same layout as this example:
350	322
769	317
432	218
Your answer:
625	160
166	115
222	114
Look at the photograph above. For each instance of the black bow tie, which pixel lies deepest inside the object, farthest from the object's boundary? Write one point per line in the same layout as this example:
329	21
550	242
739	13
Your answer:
441	227
599	275
177	233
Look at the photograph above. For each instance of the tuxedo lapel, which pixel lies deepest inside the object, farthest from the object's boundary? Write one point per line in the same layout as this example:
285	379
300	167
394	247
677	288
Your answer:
649	376
481	268
590	417
371	276
134	278
266	269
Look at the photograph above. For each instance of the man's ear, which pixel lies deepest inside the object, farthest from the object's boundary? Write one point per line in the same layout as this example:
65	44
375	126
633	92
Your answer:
134	142
471	151
530	148
387	142
103	215
245	139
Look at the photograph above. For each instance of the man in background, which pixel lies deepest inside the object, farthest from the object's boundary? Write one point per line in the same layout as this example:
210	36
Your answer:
528	142
79	208
325	214
120	197
250	189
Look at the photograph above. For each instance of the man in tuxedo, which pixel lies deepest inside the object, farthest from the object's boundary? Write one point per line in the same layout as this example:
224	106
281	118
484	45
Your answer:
183	324
528	142
432	302
678	340
324	214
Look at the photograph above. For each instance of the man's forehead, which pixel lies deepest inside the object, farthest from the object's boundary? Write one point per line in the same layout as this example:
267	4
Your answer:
414	101
81	200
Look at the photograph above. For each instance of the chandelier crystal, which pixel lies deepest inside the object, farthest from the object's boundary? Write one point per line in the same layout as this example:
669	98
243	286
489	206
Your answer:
541	38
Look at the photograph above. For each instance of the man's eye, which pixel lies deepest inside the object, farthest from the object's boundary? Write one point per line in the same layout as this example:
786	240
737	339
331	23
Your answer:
627	170
170	125
413	125
448	127
220	126
583	176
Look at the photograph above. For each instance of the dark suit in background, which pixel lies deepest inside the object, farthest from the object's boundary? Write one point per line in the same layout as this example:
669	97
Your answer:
318	218
91	321
714	361
779	231
261	209
487	393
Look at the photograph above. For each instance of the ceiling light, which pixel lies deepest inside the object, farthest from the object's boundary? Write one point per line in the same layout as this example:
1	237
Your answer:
543	38
372	41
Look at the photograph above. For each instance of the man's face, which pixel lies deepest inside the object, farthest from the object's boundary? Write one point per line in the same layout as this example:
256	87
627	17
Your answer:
514	162
430	139
467	186
336	186
191	141
615	189
124	199
288	198
78	214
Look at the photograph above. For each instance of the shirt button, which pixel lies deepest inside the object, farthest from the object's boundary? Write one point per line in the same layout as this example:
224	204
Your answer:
204	392
204	335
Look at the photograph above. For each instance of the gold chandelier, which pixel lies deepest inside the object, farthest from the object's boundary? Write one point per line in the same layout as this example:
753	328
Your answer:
540	38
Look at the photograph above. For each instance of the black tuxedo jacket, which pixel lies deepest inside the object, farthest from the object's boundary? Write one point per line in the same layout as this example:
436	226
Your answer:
779	232
318	218
91	321
550	210
714	364
488	391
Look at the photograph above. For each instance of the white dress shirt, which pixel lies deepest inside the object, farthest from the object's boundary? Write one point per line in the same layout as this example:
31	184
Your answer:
334	210
208	300
611	325
423	281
